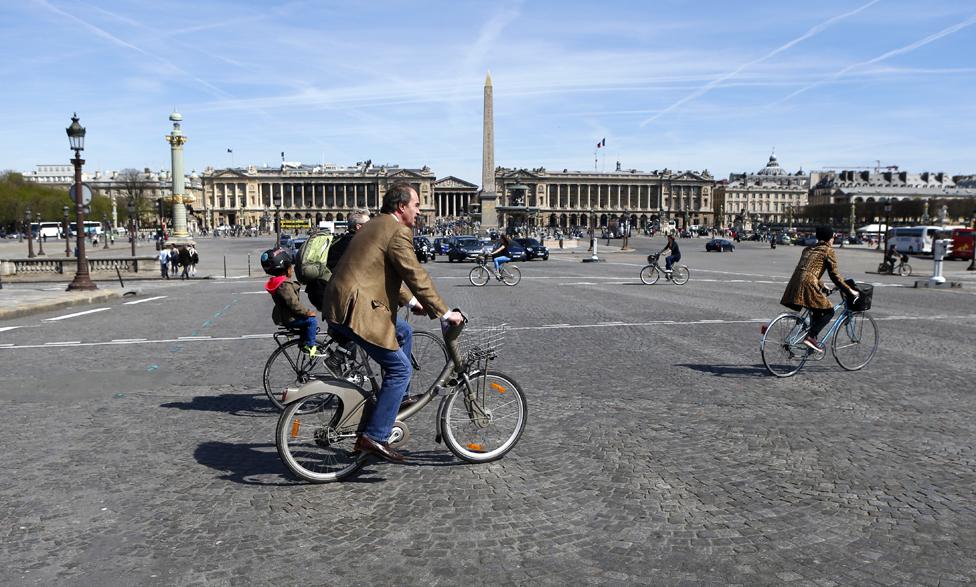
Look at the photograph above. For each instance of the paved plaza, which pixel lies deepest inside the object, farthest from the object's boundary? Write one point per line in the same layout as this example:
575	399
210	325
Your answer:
139	445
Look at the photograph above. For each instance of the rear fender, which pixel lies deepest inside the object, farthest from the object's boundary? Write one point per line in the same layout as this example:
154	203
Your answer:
349	393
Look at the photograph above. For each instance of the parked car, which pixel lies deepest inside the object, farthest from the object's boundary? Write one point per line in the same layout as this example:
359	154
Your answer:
720	245
533	249
424	249
783	239
285	241
465	248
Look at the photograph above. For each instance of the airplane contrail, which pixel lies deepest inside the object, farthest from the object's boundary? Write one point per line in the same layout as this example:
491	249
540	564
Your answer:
708	87
900	51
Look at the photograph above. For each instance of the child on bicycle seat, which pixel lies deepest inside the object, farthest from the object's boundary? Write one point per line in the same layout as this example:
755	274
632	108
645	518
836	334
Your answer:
289	311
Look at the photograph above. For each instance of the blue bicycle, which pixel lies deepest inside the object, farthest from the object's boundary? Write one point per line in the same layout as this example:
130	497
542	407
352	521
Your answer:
853	337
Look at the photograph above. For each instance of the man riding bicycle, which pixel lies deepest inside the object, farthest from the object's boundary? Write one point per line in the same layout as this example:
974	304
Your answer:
675	255
375	276
501	255
805	290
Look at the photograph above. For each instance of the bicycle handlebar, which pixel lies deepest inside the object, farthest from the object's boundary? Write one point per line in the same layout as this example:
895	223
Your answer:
451	334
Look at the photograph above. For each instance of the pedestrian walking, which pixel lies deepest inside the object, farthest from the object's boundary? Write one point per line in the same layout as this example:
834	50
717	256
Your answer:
194	259
174	260
185	262
164	263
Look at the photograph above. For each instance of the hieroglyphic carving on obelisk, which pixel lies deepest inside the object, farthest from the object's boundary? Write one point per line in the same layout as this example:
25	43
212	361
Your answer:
487	196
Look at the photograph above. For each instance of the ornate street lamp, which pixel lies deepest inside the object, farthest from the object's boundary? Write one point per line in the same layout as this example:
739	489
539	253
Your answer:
67	234
131	207
276	200
30	234
76	139
40	237
887	210
593	258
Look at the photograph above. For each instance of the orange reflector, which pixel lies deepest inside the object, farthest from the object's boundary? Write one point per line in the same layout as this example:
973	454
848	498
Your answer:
474	446
498	388
294	428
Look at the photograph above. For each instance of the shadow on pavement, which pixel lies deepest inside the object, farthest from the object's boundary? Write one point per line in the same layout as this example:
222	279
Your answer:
430	458
246	463
729	370
238	404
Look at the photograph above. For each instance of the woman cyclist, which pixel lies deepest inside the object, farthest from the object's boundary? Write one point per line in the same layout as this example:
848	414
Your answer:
805	290
675	255
500	255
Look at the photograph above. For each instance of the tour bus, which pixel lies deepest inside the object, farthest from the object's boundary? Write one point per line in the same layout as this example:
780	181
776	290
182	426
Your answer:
962	243
913	239
47	229
91	227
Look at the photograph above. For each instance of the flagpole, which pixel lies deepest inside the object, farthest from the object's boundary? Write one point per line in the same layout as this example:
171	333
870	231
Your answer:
595	151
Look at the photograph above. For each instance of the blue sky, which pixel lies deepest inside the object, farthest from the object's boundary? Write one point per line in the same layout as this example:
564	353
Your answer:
669	83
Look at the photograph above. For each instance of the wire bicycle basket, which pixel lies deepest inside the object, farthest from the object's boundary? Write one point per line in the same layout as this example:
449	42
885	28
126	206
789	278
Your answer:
478	346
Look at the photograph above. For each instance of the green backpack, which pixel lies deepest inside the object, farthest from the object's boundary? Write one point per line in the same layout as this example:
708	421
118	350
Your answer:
310	265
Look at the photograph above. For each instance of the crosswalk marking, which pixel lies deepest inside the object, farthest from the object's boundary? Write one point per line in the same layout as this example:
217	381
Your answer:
6	328
143	301
75	314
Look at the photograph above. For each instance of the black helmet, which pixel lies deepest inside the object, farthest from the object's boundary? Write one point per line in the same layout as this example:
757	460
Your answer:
276	261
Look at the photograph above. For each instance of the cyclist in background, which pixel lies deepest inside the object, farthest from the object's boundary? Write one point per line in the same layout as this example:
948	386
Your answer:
675	255
500	255
805	290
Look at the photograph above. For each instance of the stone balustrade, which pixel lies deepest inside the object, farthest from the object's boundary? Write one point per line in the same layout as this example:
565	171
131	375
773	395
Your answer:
51	265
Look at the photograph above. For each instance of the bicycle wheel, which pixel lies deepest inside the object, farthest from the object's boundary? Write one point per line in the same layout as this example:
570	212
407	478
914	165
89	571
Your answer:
482	421
428	355
904	270
782	348
511	275
856	341
649	275
310	443
680	275
288	367
478	276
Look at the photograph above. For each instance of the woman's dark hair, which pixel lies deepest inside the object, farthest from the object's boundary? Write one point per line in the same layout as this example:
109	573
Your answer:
825	233
399	193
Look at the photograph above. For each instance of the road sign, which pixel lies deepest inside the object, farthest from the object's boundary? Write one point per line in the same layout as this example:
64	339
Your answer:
86	194
296	223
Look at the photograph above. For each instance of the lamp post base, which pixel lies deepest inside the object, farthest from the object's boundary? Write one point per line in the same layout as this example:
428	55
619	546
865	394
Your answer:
593	259
82	283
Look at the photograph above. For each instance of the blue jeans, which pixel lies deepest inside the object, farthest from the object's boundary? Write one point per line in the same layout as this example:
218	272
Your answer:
397	370
671	260
500	260
309	326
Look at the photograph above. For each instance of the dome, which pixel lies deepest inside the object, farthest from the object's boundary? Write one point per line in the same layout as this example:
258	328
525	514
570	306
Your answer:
772	168
176	116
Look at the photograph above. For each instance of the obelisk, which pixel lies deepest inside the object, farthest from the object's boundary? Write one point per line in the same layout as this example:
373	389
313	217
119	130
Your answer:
487	196
176	140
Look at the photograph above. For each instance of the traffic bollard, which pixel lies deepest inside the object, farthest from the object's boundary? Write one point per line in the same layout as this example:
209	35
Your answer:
249	264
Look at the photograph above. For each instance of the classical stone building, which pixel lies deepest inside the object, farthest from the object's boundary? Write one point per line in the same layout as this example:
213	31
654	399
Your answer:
455	198
771	196
543	198
867	186
246	196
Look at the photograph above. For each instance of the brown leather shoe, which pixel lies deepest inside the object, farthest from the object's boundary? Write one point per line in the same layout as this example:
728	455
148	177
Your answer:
382	450
409	401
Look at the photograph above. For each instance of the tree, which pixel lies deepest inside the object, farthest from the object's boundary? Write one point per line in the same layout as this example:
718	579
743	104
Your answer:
137	186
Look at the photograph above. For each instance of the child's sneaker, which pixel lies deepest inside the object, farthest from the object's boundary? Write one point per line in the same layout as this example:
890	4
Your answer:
311	351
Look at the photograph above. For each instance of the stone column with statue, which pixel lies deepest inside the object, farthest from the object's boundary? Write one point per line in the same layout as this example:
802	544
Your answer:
176	140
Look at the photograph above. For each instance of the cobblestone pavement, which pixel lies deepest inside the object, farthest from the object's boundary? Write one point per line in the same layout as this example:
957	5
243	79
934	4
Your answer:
657	449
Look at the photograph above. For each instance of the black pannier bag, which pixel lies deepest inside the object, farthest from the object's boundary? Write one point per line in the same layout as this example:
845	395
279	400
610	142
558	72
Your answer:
864	300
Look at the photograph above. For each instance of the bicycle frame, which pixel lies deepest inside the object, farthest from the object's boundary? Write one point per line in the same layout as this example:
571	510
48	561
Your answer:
831	331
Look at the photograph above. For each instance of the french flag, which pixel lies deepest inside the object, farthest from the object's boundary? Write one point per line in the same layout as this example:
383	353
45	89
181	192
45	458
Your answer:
602	143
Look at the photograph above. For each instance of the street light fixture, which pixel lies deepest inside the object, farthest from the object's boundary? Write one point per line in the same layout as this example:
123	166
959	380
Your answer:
131	207
67	234
40	237
76	139
276	200
30	234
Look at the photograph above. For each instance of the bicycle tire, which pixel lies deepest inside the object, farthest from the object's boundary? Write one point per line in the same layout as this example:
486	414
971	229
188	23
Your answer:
466	434
428	355
852	334
511	275
905	270
649	275
781	346
478	276
680	275
320	455
288	367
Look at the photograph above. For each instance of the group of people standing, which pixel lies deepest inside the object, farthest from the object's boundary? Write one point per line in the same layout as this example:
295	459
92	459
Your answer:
174	256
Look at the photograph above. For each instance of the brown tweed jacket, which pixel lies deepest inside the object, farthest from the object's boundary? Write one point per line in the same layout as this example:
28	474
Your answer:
367	285
804	289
